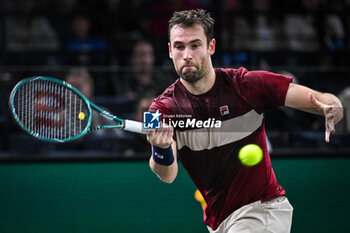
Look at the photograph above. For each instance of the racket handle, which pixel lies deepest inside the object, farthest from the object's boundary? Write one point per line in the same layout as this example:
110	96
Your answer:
134	126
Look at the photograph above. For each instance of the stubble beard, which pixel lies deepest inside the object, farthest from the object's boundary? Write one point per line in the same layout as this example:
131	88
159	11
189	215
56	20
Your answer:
191	76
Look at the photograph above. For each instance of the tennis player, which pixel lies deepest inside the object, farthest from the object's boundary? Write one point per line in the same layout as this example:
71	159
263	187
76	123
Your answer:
239	198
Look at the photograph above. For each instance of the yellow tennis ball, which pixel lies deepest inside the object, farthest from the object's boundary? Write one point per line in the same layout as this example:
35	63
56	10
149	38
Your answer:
250	155
81	116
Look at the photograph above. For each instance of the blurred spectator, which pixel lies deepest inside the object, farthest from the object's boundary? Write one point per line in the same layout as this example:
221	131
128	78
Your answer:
162	11
7	126
81	79
61	13
303	29
82	40
334	30
267	28
344	125
25	30
239	35
86	48
251	27
230	14
137	143
142	79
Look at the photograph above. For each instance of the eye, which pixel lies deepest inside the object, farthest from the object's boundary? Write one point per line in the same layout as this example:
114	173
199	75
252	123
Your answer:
194	46
179	47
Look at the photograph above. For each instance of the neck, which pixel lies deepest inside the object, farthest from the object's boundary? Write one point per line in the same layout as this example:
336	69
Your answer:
203	85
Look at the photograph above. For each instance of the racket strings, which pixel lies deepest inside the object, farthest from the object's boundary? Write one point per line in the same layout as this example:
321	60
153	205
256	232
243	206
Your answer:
50	110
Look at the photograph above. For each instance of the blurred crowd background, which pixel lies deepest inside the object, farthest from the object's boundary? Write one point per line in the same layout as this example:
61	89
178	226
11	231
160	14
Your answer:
115	52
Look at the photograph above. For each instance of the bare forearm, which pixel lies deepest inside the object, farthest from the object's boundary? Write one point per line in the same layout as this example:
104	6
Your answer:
297	97
165	173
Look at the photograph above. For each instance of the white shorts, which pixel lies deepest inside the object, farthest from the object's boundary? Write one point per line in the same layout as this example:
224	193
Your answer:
271	216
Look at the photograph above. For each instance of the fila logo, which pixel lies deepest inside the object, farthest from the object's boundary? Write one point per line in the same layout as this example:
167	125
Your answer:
159	155
224	110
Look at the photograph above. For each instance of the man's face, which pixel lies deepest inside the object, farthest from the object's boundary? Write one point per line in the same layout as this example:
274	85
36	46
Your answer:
190	52
80	84
143	56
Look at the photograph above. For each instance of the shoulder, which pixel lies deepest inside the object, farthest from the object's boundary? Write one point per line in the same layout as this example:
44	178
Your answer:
231	74
242	76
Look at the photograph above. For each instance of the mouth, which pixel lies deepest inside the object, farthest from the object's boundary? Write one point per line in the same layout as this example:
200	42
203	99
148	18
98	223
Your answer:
188	67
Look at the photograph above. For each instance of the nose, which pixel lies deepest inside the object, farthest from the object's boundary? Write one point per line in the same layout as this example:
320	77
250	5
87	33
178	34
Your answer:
187	54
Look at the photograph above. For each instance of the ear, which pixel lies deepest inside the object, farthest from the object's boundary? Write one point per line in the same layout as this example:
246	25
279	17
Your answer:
170	51
212	46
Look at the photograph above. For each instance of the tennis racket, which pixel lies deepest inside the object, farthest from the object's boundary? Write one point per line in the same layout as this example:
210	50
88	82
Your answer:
53	110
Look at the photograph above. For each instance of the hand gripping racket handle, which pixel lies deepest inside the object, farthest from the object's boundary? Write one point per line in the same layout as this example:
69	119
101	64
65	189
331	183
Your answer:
134	126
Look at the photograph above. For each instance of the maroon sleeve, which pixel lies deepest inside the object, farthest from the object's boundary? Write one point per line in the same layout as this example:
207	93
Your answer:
263	89
163	108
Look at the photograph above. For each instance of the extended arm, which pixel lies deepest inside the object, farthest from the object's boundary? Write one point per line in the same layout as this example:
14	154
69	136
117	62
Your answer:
306	99
163	139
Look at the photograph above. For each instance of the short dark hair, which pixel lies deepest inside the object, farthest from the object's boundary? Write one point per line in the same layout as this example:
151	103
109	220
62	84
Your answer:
189	18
